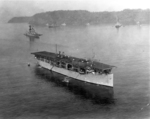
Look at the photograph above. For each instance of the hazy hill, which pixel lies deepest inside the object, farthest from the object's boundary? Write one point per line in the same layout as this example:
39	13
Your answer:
20	20
81	17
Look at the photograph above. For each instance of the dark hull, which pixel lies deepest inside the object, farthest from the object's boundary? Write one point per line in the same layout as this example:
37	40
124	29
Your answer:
52	26
117	26
99	93
33	35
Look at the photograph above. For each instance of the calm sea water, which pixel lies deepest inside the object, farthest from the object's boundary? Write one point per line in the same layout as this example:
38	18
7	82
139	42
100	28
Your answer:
26	95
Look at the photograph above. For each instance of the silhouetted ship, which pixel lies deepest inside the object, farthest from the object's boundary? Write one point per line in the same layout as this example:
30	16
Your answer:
118	24
32	33
86	75
51	26
138	23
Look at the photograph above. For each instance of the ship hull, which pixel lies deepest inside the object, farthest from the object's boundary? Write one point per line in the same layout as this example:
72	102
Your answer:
98	92
105	80
32	35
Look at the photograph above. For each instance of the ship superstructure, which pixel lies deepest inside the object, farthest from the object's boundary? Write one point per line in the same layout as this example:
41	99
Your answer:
32	33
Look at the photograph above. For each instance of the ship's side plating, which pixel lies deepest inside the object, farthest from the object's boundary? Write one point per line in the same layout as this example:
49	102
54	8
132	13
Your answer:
103	79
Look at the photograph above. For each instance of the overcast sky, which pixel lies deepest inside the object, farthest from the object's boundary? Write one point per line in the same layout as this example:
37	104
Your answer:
93	5
90	5
11	8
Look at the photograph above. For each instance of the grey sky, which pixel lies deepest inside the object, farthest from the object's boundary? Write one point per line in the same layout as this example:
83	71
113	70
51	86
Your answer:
92	5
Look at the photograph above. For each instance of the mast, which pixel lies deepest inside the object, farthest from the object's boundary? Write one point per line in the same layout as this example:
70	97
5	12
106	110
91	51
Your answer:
56	48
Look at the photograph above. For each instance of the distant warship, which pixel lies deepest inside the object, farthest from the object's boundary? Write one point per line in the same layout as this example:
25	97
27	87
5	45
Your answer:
32	32
118	24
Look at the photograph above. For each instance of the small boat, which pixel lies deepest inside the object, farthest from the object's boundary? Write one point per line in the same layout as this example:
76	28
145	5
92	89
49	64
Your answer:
138	23
87	24
51	26
64	24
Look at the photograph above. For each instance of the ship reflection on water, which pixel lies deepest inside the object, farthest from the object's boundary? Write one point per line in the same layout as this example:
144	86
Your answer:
100	96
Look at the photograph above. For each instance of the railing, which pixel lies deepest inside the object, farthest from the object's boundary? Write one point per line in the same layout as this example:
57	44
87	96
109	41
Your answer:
76	69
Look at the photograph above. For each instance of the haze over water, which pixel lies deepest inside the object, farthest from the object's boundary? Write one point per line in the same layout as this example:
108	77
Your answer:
26	95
